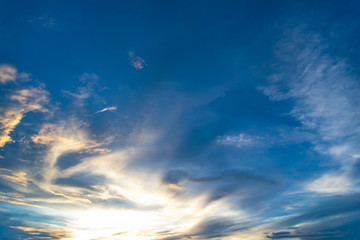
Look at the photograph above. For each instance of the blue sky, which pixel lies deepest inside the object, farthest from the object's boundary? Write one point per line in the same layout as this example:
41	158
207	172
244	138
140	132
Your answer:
171	120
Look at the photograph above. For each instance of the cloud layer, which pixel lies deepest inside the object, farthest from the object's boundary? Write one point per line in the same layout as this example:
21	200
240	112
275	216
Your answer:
244	126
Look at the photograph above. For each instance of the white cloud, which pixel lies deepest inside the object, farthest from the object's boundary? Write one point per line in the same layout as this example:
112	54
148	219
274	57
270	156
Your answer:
330	183
338	150
62	138
325	97
142	187
109	165
239	141
322	88
7	73
106	109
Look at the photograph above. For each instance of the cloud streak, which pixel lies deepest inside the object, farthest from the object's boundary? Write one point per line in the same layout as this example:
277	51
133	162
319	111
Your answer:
45	233
18	177
111	109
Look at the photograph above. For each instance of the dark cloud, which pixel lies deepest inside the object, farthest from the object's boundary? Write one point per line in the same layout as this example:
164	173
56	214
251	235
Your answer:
330	207
336	217
305	236
175	176
217	228
27	224
248	187
81	181
209	229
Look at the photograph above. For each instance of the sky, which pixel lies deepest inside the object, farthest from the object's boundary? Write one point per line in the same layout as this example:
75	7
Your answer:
175	120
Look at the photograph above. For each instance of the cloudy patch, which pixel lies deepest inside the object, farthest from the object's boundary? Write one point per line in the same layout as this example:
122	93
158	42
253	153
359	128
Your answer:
46	233
331	183
240	141
7	73
45	21
21	102
191	148
136	61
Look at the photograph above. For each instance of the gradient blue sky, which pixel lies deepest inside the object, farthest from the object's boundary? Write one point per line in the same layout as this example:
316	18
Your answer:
171	120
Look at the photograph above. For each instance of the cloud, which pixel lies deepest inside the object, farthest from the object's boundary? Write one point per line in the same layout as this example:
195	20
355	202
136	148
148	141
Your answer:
216	228
324	93
137	62
139	193
110	165
90	83
82	95
331	184
106	109
9	120
7	73
18	177
336	217
314	235
46	21
246	188
240	141
322	88
21	102
62	138
18	199
210	229
46	233
73	196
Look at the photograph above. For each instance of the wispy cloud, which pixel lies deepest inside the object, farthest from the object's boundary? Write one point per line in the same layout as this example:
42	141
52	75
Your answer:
22	101
18	177
136	61
45	21
7	73
49	232
323	88
240	141
326	101
63	138
70	196
18	199
86	91
106	109
331	183
328	219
